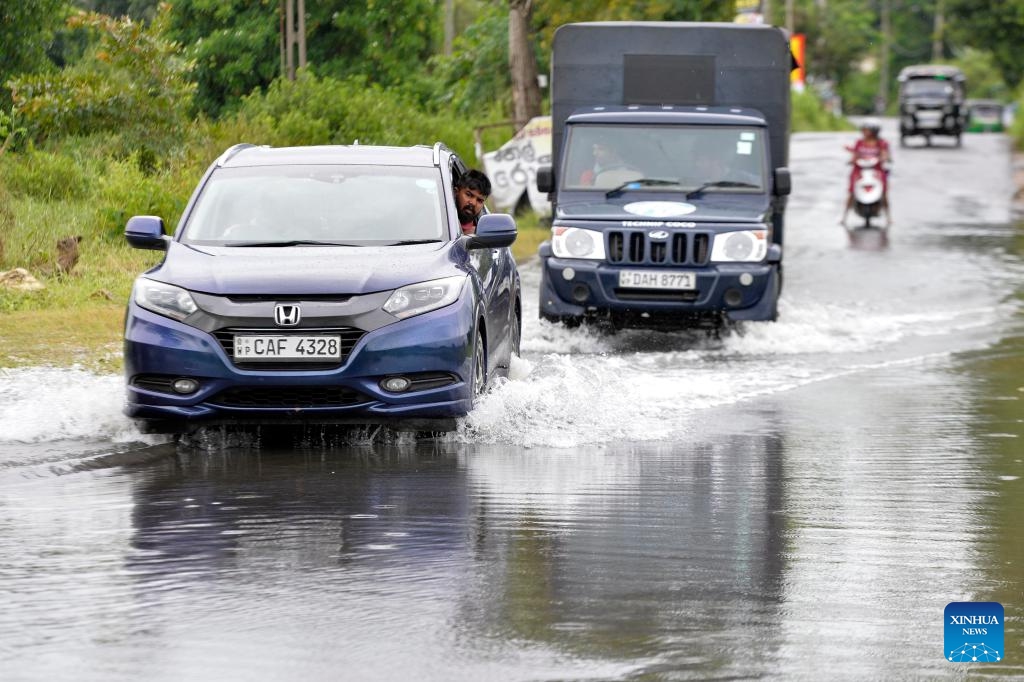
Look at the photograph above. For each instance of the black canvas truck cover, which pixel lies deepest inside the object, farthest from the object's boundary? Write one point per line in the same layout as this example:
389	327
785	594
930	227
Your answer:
673	63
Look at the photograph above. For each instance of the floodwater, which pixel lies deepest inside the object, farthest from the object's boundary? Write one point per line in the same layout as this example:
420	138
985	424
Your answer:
796	502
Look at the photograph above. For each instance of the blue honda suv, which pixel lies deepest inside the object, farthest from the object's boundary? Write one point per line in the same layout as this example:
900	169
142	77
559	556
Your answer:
327	284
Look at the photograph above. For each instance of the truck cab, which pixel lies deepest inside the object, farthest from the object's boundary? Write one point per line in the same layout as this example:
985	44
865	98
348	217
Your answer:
668	186
931	99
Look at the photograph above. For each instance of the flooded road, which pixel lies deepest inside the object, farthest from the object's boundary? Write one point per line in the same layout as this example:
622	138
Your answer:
796	502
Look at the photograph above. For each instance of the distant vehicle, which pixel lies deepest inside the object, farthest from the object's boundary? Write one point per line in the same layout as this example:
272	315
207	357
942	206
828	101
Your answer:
669	143
321	285
931	100
984	116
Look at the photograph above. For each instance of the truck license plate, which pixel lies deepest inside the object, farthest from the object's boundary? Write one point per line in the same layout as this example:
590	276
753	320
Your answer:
654	279
266	347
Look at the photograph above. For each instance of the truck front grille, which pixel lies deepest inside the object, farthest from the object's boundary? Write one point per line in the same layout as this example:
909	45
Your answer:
680	248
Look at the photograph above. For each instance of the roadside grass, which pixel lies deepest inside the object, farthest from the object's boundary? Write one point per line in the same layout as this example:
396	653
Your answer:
87	336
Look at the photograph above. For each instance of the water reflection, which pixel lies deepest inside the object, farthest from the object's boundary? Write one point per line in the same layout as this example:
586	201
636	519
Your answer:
583	563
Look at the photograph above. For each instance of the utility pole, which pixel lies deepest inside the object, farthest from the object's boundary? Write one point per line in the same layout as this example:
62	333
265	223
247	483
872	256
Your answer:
938	30
766	11
789	17
294	36
882	99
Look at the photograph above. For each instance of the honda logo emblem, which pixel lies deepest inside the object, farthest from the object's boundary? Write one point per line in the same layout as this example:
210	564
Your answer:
287	315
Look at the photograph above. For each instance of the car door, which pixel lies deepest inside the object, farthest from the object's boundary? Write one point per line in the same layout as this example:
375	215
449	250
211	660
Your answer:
493	267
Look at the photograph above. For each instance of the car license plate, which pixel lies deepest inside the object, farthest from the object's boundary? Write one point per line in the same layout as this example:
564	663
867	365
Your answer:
266	347
655	279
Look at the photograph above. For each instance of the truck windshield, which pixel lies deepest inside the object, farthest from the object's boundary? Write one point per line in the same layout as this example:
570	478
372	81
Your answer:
928	87
664	158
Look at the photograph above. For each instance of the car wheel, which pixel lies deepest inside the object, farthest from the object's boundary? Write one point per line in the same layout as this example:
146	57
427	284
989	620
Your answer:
479	366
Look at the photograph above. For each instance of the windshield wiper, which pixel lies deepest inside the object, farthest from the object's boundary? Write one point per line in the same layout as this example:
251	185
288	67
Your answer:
637	184
293	242
405	242
718	183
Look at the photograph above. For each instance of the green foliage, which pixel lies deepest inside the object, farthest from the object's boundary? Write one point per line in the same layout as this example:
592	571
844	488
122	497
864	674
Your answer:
858	91
983	78
44	175
234	45
132	82
124	190
994	26
325	110
808	114
477	70
25	30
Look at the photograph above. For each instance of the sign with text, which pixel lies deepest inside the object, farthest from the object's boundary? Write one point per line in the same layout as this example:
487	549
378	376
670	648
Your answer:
512	168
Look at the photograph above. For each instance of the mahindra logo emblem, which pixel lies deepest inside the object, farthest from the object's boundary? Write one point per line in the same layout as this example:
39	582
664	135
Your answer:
287	315
658	234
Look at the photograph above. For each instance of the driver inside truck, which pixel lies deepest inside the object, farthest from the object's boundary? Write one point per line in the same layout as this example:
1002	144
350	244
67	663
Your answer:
610	169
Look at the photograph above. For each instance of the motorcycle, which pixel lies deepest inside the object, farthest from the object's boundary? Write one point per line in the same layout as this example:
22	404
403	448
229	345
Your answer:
868	189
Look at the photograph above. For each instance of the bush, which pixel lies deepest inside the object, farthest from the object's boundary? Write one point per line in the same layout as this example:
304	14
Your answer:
126	190
808	114
314	110
44	175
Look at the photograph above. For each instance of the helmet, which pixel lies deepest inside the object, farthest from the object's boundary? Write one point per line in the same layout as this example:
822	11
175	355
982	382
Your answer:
872	124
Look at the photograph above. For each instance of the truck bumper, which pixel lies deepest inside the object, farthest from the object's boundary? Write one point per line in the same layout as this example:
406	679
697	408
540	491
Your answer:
575	290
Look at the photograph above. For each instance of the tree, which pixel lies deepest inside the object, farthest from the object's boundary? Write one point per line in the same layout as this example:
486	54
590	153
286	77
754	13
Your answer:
522	63
132	83
997	27
26	29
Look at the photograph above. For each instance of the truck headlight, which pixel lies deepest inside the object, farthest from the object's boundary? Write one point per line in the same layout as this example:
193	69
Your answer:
574	242
417	299
164	299
743	246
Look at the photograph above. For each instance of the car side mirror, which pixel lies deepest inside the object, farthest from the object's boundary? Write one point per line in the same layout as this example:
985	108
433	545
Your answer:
146	232
545	179
494	230
783	184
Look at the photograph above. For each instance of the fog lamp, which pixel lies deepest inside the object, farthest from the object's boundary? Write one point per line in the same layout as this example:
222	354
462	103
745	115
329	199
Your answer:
185	386
733	297
395	384
568	274
746	279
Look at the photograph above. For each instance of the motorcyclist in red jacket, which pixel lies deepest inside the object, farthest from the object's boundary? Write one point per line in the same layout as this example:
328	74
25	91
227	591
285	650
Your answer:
869	146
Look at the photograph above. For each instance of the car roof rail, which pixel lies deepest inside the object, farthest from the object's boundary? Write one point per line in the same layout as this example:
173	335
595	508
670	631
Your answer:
231	151
438	148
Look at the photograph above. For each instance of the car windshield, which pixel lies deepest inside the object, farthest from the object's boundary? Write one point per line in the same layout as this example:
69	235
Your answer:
318	204
928	87
617	159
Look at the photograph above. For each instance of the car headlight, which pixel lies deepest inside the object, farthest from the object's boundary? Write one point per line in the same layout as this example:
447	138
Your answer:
164	299
573	242
744	246
417	299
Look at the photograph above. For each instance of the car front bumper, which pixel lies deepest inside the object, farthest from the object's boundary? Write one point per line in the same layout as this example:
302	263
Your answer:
434	345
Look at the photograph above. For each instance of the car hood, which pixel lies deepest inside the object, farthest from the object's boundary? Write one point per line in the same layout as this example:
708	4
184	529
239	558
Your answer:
718	209
304	269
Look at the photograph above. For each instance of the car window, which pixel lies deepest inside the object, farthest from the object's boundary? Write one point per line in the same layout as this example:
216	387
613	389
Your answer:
346	204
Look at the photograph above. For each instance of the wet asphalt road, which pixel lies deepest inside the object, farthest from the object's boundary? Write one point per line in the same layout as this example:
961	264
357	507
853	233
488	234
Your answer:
797	502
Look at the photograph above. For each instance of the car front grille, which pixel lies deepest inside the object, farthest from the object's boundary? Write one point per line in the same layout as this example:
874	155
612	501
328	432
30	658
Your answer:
349	338
288	397
681	248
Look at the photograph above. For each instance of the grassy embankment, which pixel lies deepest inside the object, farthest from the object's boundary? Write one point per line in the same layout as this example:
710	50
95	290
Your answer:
80	189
